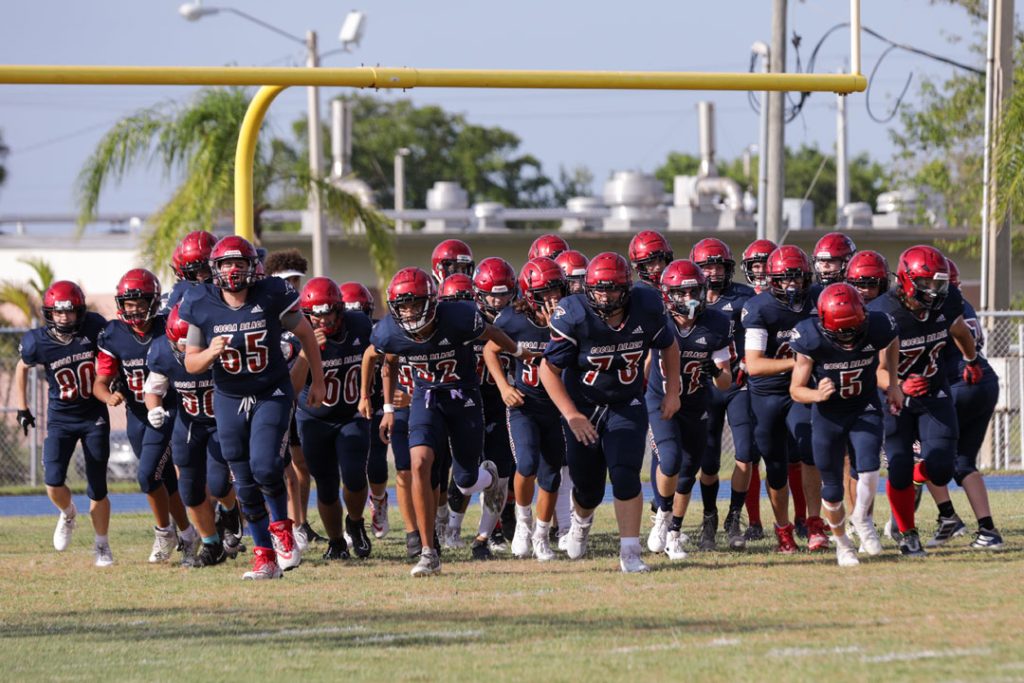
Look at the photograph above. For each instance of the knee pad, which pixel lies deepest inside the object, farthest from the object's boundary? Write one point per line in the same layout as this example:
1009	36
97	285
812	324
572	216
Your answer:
777	473
549	480
685	484
587	501
327	496
192	488
962	473
834	506
831	493
625	483
254	513
274	489
96	491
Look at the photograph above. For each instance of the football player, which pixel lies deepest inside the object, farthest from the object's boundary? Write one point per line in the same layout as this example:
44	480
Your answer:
534	431
451	256
335	436
975	403
600	339
723	294
782	428
195	447
840	350
436	341
703	336
66	348
356	297
649	254
191	264
124	345
547	246
927	312
235	328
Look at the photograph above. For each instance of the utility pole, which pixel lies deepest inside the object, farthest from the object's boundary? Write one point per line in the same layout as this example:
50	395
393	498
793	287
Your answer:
997	226
316	164
776	128
842	170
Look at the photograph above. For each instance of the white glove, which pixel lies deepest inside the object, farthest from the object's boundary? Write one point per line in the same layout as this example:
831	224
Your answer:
157	416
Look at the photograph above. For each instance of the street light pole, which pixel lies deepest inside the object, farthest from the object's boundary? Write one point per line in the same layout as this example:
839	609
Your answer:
320	247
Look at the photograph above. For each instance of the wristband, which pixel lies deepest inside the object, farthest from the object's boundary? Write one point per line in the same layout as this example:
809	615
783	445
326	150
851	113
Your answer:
971	360
389	407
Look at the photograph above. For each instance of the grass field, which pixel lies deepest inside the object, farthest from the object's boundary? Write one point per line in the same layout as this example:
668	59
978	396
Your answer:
958	615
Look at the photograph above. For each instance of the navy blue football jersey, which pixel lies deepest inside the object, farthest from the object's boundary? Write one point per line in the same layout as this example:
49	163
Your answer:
126	353
731	301
342	357
488	389
521	328
922	342
192	394
604	365
709	335
252	363
954	359
175	296
446	359
770	318
852	371
70	368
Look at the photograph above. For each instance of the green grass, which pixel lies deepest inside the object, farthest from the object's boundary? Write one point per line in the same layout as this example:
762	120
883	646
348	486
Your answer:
719	616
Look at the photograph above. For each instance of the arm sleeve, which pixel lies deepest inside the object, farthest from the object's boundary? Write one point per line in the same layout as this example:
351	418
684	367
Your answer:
195	337
756	338
156	384
722	355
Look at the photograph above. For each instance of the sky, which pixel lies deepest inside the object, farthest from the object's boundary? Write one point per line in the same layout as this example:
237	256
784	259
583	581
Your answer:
51	130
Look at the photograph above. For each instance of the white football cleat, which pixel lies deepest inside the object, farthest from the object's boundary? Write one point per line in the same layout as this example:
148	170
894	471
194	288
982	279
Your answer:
869	541
674	545
521	540
62	532
188	544
494	496
630	562
542	548
301	538
164	543
579	532
379	524
288	554
104	557
846	553
658	537
453	538
563	540
428	565
264	566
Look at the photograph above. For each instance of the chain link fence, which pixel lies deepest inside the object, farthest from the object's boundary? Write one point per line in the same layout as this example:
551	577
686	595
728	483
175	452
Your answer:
20	455
1004	333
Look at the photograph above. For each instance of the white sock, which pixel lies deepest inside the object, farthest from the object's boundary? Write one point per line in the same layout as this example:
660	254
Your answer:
563	503
165	529
455	520
382	498
589	519
541	529
189	533
442	511
524	513
629	542
69	511
867	484
102	539
483	480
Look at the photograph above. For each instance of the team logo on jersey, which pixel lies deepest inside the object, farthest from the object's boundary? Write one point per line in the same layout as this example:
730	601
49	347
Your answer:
870	408
868	347
470	403
704	416
356	342
277	392
444	342
702	341
942	316
727	307
639	330
743	314
634	402
559	312
257	309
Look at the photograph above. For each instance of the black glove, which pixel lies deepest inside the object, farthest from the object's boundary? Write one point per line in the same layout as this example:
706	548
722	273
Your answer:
26	420
709	368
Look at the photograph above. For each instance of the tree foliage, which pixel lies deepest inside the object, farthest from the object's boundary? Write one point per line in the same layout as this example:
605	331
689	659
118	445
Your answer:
28	296
808	169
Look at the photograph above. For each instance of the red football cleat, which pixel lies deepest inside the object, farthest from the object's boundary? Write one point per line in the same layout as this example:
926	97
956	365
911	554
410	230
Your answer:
264	565
786	545
817	539
288	554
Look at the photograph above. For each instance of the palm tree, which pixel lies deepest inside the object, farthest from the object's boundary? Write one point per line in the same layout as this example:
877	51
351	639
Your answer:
28	296
197	141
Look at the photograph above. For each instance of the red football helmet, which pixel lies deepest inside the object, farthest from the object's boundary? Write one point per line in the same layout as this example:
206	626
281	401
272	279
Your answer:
607	273
539	277
191	258
574	268
456	287
238	278
319	298
645	248
138	284
176	330
356	297
954	272
868	269
549	246
451	256
842	315
786	263
835	246
756	252
922	275
684	288
494	277
64	295
710	251
411	287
